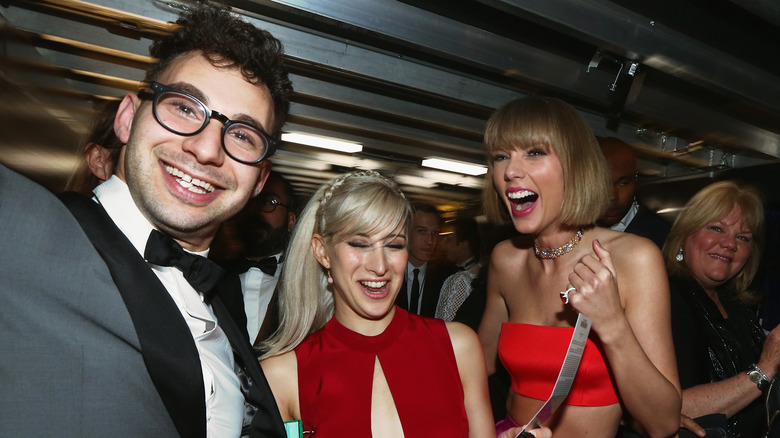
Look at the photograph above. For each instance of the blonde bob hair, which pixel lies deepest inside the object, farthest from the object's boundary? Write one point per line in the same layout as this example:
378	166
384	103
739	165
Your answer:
362	202
554	126
711	204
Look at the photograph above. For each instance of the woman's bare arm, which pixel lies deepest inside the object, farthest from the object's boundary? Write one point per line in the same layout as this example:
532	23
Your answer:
495	314
634	326
473	376
282	374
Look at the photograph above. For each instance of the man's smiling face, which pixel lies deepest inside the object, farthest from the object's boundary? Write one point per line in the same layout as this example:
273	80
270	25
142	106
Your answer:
186	185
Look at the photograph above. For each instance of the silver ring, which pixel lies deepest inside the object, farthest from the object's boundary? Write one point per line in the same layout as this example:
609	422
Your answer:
565	294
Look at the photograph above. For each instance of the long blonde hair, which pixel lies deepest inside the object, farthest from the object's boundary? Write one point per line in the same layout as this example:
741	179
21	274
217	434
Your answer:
362	202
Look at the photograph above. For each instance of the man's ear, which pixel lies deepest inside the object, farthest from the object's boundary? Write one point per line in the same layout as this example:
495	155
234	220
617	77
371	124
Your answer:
320	252
265	170
99	161
125	115
292	218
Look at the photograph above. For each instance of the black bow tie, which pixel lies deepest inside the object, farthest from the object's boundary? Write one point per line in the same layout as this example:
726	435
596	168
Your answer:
267	265
200	272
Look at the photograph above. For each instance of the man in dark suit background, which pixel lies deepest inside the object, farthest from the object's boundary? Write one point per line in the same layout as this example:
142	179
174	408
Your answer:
420	296
114	324
624	212
263	229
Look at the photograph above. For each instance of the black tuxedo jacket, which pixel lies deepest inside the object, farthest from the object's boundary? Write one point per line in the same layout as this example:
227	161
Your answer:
168	349
648	224
435	274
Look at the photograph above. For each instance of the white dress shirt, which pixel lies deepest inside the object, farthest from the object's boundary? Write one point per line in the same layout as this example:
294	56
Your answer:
258	288
224	401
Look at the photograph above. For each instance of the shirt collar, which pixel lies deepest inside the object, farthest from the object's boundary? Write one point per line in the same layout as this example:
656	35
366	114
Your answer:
114	195
410	269
623	224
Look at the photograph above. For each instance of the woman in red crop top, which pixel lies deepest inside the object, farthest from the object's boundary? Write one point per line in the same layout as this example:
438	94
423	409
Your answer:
550	180
345	360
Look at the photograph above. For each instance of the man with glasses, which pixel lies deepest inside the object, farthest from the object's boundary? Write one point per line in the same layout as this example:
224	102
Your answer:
263	229
116	325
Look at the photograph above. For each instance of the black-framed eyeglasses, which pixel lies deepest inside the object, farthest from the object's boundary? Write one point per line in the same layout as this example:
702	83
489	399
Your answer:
184	114
269	205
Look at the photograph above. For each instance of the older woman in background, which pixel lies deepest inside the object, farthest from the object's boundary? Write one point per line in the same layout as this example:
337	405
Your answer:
712	254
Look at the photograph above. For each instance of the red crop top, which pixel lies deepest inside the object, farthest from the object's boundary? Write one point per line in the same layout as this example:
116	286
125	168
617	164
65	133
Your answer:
534	354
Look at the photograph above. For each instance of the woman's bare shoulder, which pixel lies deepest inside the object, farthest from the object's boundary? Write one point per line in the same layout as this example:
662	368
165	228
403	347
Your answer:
465	342
281	371
509	251
280	364
626	247
461	333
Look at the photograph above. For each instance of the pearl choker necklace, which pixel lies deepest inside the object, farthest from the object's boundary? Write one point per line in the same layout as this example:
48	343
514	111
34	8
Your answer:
554	253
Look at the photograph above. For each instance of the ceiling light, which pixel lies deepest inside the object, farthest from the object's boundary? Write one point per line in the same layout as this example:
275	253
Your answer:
411	180
455	166
322	142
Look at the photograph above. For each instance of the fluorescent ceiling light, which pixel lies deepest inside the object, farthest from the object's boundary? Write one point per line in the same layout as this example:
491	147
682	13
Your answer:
322	142
455	166
411	180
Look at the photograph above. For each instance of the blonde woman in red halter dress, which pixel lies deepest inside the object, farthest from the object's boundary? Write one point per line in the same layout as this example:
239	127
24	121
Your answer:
546	176
345	360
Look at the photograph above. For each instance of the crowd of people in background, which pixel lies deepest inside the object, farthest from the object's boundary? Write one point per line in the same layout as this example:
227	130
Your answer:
365	314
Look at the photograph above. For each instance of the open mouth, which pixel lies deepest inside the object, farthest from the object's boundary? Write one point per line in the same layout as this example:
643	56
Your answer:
522	199
188	182
374	286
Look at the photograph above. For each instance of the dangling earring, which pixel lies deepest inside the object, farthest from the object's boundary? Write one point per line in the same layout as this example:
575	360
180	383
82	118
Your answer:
680	257
330	279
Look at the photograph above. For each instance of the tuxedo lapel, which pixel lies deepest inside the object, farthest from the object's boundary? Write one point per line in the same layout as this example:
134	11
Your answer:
168	349
266	421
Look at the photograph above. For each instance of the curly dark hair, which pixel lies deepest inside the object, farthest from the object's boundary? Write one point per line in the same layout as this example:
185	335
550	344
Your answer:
229	42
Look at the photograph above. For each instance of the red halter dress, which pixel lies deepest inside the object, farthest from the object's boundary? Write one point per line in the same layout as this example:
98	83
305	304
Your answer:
336	371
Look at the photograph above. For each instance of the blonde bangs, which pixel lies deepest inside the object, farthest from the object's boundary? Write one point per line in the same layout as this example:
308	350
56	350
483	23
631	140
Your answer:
517	127
371	212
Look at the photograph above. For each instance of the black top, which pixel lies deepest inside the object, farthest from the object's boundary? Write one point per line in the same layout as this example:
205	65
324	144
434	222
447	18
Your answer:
711	348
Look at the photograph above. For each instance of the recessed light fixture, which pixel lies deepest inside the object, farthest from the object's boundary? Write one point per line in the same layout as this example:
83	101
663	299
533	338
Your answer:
455	166
322	142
